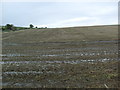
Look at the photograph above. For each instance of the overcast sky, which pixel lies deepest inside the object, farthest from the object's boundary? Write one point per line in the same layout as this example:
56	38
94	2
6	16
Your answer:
59	14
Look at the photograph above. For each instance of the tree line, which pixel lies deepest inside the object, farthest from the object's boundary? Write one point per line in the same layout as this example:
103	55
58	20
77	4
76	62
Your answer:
14	28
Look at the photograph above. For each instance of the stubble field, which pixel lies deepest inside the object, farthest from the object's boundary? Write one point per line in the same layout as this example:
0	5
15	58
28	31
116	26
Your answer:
76	57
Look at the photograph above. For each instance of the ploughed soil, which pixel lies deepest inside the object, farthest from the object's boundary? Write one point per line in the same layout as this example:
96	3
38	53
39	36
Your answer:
40	59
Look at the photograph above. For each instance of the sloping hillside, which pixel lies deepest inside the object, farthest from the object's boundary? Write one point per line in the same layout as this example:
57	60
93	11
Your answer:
71	34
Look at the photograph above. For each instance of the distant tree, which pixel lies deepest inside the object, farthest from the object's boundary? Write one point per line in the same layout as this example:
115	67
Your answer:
9	26
3	28
36	27
31	26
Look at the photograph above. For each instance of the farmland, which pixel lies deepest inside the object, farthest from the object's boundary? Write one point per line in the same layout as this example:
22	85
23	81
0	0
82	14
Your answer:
74	57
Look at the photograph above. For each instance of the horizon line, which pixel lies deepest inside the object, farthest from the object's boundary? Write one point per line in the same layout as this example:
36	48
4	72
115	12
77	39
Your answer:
67	26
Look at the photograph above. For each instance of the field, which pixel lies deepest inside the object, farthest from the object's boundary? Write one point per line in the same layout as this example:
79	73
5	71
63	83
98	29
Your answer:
75	57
